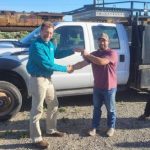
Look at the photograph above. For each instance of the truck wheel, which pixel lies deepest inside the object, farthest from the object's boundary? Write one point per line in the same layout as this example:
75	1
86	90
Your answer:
10	100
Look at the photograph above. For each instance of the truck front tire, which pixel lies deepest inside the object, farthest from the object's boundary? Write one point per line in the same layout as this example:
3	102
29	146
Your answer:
10	100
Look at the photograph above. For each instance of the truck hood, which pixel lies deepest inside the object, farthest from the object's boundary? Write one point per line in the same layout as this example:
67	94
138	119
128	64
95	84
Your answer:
12	51
10	46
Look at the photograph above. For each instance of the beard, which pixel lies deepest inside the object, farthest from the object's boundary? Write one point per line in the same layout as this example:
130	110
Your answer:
102	47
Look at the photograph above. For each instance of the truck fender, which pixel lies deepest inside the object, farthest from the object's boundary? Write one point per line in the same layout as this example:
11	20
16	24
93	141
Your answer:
8	64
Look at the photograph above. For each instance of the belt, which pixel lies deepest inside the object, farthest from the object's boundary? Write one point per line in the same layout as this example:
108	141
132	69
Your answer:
40	76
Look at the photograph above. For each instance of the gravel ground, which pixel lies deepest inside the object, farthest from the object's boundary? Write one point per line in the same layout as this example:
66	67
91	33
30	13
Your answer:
74	118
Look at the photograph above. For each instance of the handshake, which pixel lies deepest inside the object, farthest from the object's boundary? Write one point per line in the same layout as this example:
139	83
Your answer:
70	68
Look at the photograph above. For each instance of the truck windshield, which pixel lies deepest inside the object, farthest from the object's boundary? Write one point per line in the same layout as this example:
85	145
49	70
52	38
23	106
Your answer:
27	40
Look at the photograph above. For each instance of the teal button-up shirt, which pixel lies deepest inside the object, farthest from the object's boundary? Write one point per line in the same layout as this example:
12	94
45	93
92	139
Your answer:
41	58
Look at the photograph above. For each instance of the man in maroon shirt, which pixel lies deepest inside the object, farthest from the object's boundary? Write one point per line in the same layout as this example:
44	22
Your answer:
104	64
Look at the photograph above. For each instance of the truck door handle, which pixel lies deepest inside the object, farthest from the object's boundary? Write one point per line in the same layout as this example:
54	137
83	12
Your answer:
122	58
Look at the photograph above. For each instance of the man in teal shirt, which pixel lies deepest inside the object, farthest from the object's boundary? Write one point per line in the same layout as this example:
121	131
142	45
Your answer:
41	66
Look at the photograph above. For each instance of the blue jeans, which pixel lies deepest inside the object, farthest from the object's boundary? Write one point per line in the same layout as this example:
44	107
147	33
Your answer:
108	98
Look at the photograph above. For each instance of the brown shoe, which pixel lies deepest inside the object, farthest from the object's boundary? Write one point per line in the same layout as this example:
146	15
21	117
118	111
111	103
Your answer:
41	145
57	134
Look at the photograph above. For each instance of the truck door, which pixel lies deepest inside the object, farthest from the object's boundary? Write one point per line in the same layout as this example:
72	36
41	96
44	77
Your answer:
67	37
118	42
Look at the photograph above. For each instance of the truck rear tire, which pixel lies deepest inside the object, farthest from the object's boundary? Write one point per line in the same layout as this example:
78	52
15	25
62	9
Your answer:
10	100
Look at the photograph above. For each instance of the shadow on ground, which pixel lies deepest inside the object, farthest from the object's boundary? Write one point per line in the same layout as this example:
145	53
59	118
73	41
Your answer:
86	100
137	145
17	146
129	95
20	129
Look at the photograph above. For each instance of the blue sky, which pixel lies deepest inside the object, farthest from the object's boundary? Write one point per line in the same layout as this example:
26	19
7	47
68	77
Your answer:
48	5
43	5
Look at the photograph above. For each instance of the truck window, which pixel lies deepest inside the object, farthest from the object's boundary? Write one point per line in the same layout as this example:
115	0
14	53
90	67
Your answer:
112	33
69	37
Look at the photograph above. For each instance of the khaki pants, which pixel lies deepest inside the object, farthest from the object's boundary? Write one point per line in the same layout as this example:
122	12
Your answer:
42	89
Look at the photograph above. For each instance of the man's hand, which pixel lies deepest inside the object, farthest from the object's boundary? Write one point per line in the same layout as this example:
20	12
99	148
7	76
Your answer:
70	69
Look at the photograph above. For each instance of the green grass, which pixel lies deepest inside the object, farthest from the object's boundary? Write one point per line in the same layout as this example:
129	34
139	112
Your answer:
62	109
13	35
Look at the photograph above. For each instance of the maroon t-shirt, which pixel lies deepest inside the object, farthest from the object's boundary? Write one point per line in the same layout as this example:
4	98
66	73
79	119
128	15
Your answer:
105	76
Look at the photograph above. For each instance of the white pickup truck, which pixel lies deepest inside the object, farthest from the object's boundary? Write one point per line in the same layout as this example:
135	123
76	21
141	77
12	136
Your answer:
68	35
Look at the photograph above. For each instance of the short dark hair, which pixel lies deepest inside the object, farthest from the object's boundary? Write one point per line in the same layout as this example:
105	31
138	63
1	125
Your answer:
47	24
